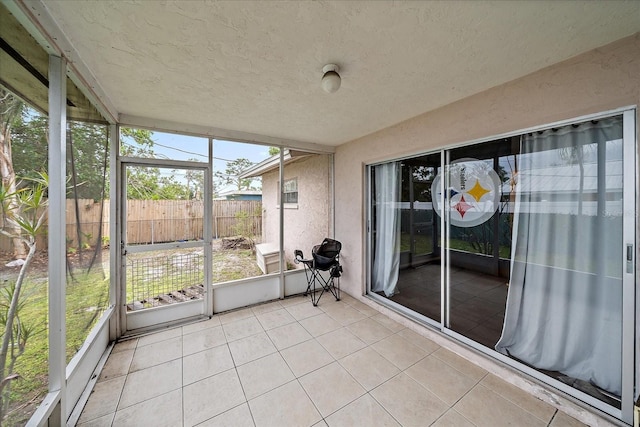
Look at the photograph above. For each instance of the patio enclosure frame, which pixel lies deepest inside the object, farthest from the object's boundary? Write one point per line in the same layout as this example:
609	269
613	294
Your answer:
70	384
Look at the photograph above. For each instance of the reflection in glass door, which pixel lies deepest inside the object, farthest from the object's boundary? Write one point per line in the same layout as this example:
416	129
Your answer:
552	206
406	235
164	235
421	222
478	194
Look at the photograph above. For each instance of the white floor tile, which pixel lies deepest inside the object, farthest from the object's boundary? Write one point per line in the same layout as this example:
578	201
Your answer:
117	365
103	400
288	335
251	348
206	363
149	412
240	416
263	375
159	336
201	325
202	340
364	411
369	368
268	409
369	330
399	351
211	396
228	371
319	324
408	402
156	353
447	383
151	382
242	328
330	388
274	319
341	343
306	357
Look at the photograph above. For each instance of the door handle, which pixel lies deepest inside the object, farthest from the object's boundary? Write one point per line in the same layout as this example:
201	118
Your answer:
630	259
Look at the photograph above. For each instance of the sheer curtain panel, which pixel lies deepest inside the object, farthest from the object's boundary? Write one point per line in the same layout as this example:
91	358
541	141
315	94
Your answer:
564	307
386	260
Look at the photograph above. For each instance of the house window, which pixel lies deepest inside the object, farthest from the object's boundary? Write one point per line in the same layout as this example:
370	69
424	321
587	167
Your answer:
290	191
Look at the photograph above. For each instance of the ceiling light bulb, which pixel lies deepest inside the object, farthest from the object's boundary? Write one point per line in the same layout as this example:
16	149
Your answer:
331	79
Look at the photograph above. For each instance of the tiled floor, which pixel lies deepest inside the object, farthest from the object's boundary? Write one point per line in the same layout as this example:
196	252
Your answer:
287	363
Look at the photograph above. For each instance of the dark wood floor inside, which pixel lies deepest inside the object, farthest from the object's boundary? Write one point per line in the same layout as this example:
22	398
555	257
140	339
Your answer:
477	300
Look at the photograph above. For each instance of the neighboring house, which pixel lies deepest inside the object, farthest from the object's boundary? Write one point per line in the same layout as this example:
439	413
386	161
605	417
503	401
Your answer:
240	195
307	188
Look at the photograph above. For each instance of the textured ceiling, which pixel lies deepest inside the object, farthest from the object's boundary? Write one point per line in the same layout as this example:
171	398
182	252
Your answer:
256	66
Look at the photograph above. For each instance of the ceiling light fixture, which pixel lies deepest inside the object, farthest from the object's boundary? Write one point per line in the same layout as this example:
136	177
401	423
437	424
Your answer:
331	79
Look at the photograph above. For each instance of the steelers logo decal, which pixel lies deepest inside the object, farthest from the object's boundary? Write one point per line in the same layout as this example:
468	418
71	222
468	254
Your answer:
472	195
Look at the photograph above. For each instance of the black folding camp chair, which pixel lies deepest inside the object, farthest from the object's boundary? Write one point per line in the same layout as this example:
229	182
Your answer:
325	257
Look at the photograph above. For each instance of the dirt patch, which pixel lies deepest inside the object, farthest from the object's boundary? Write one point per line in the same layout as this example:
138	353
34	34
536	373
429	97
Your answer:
237	242
39	267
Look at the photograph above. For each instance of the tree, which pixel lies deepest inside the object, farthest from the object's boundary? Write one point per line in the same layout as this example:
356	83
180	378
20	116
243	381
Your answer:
87	155
273	151
195	182
231	175
30	144
25	210
574	155
136	142
11	108
148	183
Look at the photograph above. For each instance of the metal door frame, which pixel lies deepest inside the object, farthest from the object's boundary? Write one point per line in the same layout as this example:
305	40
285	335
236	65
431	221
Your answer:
175	313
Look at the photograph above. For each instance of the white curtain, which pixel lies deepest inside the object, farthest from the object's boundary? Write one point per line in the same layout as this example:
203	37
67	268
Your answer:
386	260
564	307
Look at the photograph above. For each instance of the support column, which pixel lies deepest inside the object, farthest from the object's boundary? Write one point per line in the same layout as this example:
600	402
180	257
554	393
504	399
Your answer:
208	232
281	223
115	295
57	227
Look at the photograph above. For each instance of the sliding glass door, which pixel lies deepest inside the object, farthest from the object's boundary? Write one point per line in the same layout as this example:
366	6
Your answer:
559	308
406	235
538	240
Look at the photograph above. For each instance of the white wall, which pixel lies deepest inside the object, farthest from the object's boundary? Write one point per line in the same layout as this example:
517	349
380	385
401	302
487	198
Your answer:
306	224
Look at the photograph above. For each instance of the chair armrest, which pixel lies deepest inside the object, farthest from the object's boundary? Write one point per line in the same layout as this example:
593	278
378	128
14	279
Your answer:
299	257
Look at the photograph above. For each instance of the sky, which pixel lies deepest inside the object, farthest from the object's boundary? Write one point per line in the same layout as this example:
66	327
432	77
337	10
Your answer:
181	147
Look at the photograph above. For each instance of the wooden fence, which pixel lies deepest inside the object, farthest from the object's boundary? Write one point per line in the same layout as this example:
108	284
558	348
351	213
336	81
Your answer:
156	221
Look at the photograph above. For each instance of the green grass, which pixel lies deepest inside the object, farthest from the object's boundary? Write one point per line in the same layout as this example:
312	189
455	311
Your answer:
234	264
87	298
461	245
423	244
